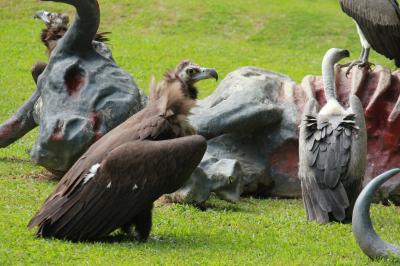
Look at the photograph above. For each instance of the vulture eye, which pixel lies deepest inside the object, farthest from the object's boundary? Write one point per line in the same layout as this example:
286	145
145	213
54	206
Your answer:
191	71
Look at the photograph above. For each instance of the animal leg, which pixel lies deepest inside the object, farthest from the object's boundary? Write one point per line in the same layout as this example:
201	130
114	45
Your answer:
360	63
143	224
20	123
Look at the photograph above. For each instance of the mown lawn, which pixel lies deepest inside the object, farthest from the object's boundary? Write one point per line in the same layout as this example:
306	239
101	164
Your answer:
150	36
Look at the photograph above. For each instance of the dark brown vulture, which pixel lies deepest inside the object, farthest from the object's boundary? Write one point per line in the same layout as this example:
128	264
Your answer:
378	25
114	184
56	26
332	151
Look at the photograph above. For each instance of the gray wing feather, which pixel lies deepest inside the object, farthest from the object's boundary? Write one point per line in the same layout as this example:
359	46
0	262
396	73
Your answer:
324	164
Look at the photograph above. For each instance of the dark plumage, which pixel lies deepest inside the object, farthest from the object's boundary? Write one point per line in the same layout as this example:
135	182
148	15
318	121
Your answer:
332	152
378	22
114	184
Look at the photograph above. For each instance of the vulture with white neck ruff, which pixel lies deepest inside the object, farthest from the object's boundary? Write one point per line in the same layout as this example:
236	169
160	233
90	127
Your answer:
114	184
332	151
378	25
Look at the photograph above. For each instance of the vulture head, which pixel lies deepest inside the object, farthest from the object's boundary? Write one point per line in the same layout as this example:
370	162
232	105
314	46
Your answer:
56	27
190	73
53	19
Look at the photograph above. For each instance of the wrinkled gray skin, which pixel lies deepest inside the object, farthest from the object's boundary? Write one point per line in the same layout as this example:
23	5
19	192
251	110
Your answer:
83	96
370	243
249	117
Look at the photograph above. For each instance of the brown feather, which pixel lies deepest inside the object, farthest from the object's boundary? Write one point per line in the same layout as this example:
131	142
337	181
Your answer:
135	163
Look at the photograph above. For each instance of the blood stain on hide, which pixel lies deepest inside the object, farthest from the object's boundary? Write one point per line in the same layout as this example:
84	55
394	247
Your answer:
75	78
96	122
9	128
285	158
57	132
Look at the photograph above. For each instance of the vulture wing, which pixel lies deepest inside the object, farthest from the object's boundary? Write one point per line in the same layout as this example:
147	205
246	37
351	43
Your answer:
153	128
379	20
138	127
129	179
326	151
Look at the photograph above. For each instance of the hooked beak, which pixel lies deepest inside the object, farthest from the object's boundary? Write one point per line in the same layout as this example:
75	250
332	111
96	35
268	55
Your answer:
346	53
42	15
206	73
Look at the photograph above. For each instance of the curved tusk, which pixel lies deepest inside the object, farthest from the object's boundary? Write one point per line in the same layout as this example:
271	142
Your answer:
368	240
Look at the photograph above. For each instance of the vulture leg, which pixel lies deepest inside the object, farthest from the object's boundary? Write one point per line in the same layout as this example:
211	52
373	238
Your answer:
360	63
142	223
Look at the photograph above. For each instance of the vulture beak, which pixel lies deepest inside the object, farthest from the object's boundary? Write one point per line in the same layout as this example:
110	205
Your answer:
206	73
346	53
42	15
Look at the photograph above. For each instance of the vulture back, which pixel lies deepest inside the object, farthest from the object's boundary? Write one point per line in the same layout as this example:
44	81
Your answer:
332	151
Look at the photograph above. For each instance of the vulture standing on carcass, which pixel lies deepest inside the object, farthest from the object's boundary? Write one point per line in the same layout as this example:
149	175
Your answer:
371	244
114	184
378	25
332	151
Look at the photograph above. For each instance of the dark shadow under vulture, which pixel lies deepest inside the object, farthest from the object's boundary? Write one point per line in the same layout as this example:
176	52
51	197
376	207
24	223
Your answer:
378	25
332	151
114	184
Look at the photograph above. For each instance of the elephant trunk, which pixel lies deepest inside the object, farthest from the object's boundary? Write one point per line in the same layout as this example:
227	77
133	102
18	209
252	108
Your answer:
371	244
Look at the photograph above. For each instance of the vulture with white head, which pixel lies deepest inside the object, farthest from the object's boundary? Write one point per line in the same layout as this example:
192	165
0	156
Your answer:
332	151
114	184
378	25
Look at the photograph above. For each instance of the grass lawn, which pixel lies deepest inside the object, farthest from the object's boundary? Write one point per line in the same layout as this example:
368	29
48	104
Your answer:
150	36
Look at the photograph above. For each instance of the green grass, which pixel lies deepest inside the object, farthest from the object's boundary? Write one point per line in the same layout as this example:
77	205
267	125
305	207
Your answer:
149	37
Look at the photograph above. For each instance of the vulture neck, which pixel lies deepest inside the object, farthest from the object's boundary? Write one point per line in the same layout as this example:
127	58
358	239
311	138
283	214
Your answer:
332	106
78	38
171	94
193	92
328	76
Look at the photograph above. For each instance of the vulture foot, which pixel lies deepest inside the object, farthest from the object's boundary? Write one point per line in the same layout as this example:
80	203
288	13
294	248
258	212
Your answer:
359	63
142	223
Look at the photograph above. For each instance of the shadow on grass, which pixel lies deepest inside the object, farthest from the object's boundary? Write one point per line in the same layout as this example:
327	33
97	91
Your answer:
43	176
230	207
14	160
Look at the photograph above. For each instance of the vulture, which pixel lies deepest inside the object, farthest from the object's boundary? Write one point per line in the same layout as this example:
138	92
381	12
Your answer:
114	183
332	151
56	26
368	240
378	25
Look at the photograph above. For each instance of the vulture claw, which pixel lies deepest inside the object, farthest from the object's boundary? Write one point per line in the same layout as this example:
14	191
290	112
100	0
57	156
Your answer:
359	63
